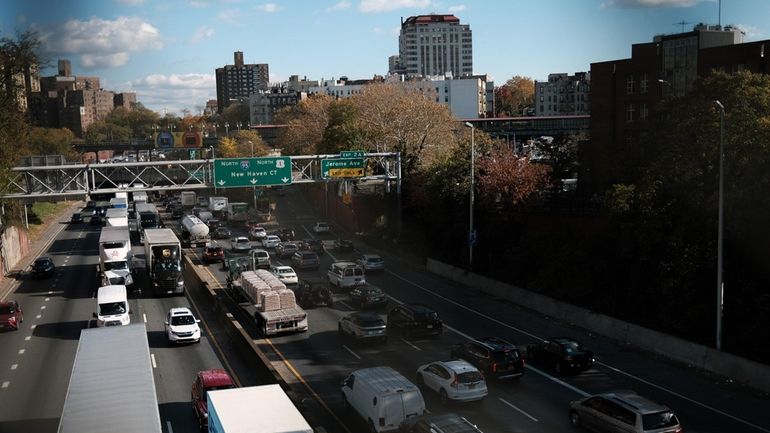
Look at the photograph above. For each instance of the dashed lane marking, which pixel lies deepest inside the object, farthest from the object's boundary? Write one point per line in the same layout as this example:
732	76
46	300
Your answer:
154	364
14	366
351	352
38	316
21	351
410	343
513	406
144	317
27	338
47	299
5	384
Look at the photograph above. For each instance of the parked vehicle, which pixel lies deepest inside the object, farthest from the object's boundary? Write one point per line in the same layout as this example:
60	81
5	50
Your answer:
415	319
346	275
286	274
623	412
371	262
285	249
363	326
11	315
254	409
312	293
111	387
343	245
454	380
368	297
321	227
112	306
43	267
443	423
495	357
205	381
182	326
562	354
382	397
305	260
213	254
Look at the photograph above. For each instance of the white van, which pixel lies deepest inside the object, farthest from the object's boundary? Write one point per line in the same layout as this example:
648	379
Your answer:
112	306
346	275
382	397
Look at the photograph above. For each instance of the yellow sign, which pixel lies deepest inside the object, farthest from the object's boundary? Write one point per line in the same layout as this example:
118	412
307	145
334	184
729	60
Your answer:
346	172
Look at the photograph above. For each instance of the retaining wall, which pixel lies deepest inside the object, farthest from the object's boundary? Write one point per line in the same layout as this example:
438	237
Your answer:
724	364
14	245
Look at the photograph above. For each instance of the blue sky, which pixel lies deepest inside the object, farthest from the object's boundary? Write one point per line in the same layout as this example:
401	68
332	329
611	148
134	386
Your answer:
167	51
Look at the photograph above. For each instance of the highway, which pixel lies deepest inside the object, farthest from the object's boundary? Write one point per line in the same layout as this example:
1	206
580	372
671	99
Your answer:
36	361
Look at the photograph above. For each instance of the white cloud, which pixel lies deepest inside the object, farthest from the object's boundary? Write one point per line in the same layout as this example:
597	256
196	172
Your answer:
229	15
377	30
98	42
455	9
131	2
344	4
203	32
389	5
632	4
268	7
175	92
750	31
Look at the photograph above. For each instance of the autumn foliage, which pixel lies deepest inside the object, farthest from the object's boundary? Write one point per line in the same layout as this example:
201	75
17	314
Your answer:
507	179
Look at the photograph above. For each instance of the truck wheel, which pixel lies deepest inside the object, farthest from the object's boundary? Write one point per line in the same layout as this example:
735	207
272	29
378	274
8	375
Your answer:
345	404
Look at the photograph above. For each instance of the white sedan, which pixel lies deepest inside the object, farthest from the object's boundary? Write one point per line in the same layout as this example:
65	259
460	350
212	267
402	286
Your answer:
286	274
270	241
321	227
455	380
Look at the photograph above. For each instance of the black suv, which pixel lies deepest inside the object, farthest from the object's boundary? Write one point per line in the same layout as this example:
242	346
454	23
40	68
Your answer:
563	354
43	267
495	357
415	319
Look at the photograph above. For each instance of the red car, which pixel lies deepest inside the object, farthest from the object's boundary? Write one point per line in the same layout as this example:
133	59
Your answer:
11	315
207	380
213	255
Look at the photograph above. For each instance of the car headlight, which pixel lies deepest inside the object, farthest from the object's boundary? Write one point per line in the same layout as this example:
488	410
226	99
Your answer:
180	283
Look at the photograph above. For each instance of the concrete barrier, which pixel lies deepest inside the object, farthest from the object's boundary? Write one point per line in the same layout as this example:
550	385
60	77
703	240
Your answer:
751	373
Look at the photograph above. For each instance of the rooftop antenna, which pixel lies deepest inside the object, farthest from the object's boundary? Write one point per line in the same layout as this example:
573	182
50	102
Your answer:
681	23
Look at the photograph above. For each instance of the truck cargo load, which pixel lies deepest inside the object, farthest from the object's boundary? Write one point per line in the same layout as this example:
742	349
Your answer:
194	231
119	202
111	388
254	409
217	204
116	217
188	198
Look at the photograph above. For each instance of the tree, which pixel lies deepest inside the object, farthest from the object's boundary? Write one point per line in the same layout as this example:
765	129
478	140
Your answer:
507	179
235	113
137	120
51	141
305	125
342	132
514	96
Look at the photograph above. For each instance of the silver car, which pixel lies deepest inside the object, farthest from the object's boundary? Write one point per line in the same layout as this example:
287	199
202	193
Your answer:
363	326
623	412
371	262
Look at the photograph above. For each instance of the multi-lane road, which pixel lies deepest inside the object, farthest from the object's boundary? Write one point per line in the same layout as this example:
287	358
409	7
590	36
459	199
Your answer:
35	362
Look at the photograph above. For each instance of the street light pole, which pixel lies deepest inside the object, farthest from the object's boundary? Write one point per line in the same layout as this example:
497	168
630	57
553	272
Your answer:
720	230
253	188
471	231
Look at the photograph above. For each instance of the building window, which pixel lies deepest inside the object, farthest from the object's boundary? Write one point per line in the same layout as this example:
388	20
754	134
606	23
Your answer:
643	83
629	84
643	111
630	113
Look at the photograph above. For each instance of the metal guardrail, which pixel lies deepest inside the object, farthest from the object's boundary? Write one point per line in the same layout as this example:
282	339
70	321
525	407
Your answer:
83	179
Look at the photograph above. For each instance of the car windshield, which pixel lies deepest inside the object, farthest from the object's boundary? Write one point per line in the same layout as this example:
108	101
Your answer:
369	321
285	271
8	309
372	291
572	347
167	266
653	421
470	377
374	260
116	266
426	315
506	355
42	262
110	308
215	250
182	320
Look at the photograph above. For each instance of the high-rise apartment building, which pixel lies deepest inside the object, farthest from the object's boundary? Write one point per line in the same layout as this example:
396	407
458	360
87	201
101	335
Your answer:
435	45
236	82
563	95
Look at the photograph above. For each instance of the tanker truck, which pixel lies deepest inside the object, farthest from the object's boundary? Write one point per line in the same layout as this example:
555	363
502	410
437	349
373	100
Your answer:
195	232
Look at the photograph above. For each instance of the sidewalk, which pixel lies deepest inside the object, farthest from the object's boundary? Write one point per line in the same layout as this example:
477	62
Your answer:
53	226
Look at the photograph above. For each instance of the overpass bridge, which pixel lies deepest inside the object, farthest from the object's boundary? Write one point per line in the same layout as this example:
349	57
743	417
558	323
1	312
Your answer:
73	180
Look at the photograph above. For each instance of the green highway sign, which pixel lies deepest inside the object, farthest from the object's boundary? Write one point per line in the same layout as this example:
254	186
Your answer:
352	154
342	167
240	172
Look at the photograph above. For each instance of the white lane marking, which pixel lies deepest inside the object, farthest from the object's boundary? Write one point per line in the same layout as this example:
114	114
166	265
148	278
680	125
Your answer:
168	427
351	352
68	257
517	409
21	351
38	316
561	382
5	384
152	357
144	317
409	343
703	405
66	260
50	292
346	305
33	327
47	299
42	307
14	366
27	338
